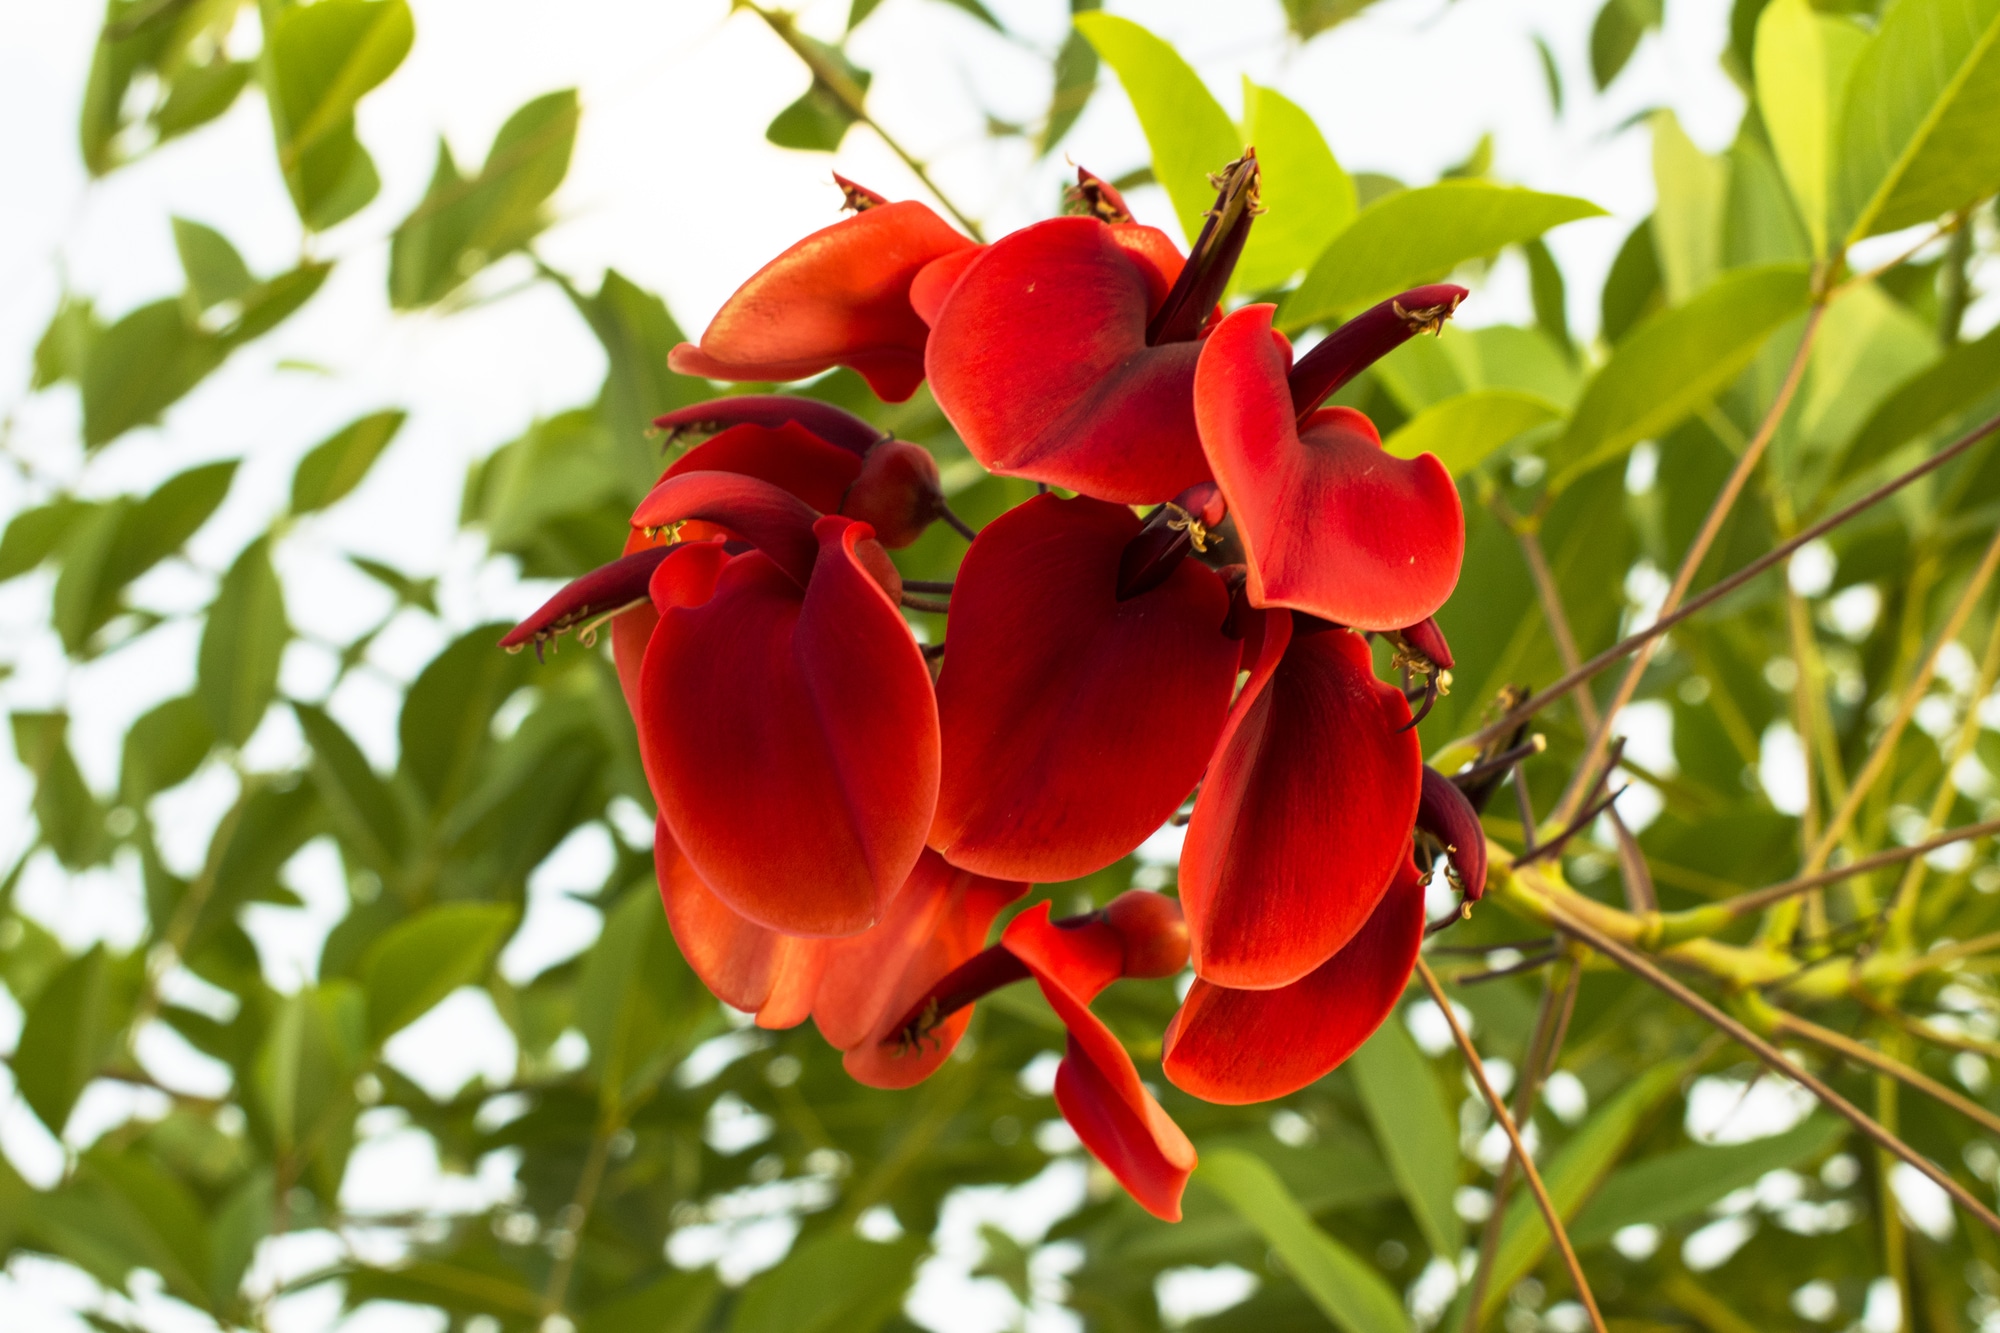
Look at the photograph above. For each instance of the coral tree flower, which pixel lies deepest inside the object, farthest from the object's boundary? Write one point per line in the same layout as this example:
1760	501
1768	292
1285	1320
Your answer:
840	297
1330	524
1065	352
1139	934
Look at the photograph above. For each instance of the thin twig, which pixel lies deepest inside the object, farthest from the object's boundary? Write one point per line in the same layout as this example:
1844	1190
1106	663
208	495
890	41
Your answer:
1863	1054
1762	898
933	605
1527	708
1711	528
1528	1170
1506	759
1529	964
955	523
1776	1061
1906	708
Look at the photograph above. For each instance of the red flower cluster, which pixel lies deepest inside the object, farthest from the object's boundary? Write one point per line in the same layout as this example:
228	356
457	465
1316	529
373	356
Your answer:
839	828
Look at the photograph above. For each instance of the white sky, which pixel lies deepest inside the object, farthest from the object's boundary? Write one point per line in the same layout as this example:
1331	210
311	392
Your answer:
673	184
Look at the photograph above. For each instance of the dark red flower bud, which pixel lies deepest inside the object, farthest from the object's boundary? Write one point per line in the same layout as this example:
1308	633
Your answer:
1154	931
1423	645
1366	339
1177	527
1094	197
897	493
1447	819
858	198
1212	258
602	592
835	425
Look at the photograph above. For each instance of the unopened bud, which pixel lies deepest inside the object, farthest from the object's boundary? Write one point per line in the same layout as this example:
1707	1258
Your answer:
1154	932
898	492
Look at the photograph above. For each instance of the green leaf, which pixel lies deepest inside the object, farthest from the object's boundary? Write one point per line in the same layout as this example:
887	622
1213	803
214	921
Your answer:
447	718
65	344
320	60
1418	236
673	1303
1868	344
1549	294
360	801
637	333
1307	198
242	645
1416	1130
1572	1175
142	365
199	93
1189	133
33	535
463	224
1687	225
821	118
1632	289
160	1219
1075	80
336	465
1347	1289
1675	362
262	831
427	957
163	749
1674	1185
1309	18
304	1075
477	1284
215	272
124	539
832	1284
637	1001
1463	431
1803	62
70	820
1616	33
71	1031
1962	378
1919	131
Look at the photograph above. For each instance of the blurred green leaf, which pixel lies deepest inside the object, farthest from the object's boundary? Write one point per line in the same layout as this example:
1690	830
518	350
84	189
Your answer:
1189	133
320	59
1674	362
673	1303
637	1002
831	1284
1464	431
1687	224
1075	80
337	464
1803	61
448	712
1347	1289
140	366
304	1080
215	272
242	645
1419	236
1919	130
1664	1189
65	344
360	802
199	93
820	119
465	223
1549	294
428	956
163	748
70	819
461	1285
1616	33
1307	19
1632	289
122	540
33	535
161	1221
1307	198
1963	377
637	332
1415	1128
71	1031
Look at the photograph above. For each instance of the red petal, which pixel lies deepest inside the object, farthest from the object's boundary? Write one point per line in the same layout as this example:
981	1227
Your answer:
898	492
690	582
937	922
770	518
1236	1046
835	425
1305	814
1331	524
761	971
1097	1087
618	584
1446	815
840	297
1074	724
934	283
791	739
788	456
1040	360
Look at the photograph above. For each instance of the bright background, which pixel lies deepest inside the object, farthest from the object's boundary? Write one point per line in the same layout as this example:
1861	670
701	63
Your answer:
674	184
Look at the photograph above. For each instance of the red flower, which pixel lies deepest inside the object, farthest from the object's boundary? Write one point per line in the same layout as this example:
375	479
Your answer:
1235	1046
1305	815
840	297
1140	934
1330	524
1076	715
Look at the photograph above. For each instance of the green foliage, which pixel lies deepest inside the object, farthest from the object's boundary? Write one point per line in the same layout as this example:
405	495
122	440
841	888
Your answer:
319	60
338	463
1414	1126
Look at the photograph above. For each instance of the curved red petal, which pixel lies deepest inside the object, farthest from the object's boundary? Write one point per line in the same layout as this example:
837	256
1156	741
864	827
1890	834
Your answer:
937	922
607	588
1305	813
835	425
791	739
1331	524
1448	817
691	581
840	297
1074	724
934	282
1097	1087
1237	1046
1039	358
769	517
758	970
788	456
